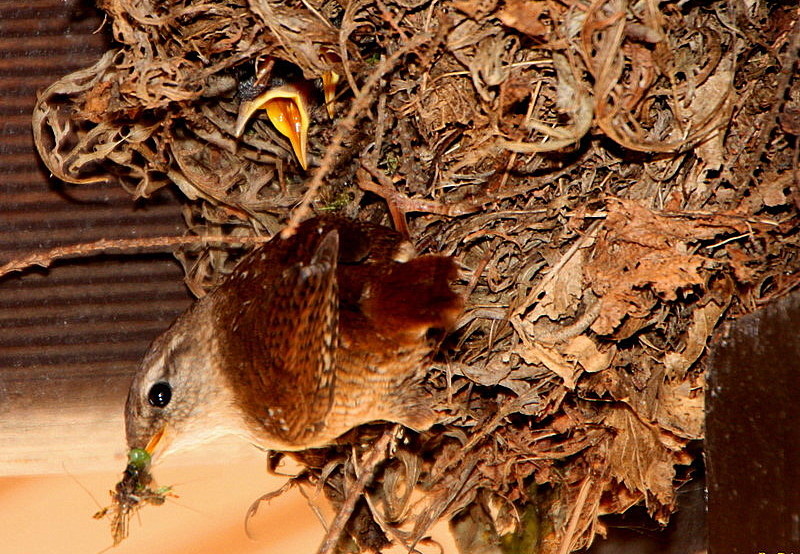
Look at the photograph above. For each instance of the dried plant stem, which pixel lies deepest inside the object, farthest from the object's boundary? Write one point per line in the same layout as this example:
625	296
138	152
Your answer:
569	538
104	246
253	509
582	242
376	455
359	107
386	190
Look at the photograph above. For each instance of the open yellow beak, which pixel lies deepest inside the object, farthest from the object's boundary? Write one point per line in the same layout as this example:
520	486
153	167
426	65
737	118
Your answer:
329	81
287	109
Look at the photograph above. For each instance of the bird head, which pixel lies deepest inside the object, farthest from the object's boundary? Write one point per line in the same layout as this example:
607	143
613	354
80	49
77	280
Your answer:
178	399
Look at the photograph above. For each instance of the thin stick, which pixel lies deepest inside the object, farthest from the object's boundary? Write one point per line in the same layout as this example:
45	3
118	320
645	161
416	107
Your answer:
358	109
569	535
376	456
102	246
580	243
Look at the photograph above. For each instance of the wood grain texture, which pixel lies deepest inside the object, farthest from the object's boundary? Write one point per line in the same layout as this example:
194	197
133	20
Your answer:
752	437
71	337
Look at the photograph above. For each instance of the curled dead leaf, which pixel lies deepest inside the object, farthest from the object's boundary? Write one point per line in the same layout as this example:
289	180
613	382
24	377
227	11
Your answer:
704	320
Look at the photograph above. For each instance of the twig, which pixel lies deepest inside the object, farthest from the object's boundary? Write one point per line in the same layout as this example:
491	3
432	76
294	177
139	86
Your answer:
102	246
569	535
436	509
577	245
400	204
375	457
358	109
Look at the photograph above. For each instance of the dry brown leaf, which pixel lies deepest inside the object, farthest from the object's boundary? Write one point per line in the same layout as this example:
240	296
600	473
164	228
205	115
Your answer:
567	360
704	320
681	407
588	354
639	460
741	263
476	8
561	296
551	358
772	189
525	16
640	250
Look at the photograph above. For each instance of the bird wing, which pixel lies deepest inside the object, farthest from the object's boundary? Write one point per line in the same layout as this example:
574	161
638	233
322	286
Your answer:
284	334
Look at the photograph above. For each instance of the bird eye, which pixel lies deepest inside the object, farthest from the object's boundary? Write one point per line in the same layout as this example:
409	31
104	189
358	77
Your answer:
160	394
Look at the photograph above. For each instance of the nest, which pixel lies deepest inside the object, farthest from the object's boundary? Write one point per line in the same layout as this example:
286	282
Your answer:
617	178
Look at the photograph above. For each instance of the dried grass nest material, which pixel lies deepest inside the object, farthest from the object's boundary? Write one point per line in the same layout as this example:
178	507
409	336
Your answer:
618	177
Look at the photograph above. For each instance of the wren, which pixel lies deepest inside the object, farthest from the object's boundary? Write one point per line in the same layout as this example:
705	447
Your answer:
307	338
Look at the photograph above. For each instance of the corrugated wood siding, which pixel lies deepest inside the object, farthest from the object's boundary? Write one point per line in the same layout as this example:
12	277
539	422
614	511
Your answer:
70	337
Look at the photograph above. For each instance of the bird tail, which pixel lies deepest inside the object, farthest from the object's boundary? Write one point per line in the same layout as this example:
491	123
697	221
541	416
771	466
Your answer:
414	297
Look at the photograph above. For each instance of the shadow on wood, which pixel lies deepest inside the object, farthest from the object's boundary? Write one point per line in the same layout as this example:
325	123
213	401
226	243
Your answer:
752	433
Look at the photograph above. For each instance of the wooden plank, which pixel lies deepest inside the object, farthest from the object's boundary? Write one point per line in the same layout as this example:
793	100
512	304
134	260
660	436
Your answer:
752	435
73	335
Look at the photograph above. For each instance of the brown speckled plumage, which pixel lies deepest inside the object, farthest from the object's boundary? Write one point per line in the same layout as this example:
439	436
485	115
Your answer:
306	339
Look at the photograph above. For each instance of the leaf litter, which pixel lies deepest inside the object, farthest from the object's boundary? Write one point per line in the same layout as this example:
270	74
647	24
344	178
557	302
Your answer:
617	179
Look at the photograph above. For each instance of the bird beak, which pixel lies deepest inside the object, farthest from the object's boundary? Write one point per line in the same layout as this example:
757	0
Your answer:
153	443
287	108
329	81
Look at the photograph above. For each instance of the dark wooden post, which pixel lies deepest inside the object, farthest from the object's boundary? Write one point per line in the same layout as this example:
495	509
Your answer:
753	434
